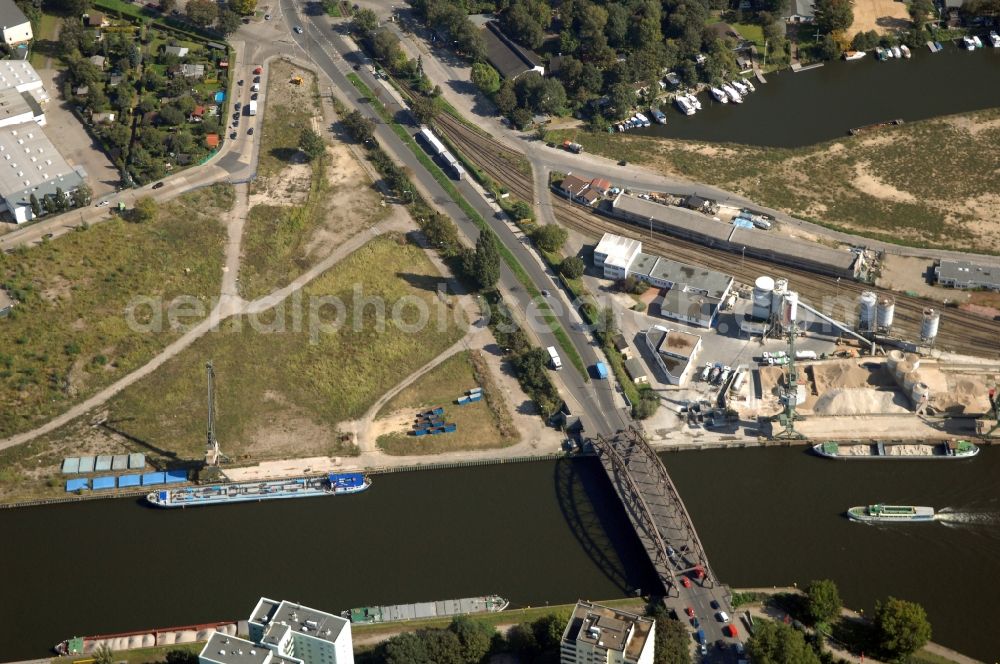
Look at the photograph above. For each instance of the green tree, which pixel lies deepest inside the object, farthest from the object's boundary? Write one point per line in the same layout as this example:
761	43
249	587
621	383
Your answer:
360	128
829	48
919	11
441	232
61	201
36	208
550	237
82	195
902	627
475	637
202	12
521	210
777	643
485	262
521	638
229	22
833	15
243	7
485	77
146	209
520	23
424	109
311	144
824	600
572	267
181	657
364	22
673	640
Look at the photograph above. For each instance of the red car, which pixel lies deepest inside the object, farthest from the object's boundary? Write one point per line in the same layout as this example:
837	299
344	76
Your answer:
690	611
258	70
685	582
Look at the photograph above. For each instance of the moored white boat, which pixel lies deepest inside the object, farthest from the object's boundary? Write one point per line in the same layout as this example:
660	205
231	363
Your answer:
853	55
742	89
897	52
880	53
994	39
658	115
719	95
694	101
750	86
968	43
977	41
906	51
643	120
684	105
734	96
888	53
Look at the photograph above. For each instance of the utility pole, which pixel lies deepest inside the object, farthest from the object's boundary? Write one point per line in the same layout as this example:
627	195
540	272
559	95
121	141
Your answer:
764	65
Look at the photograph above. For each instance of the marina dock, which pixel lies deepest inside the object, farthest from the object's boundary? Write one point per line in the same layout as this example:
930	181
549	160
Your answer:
798	67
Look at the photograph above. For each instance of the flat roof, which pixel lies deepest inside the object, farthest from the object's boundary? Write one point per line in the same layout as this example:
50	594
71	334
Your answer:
300	619
13	103
770	241
16	73
967	271
681	301
223	649
635	368
714	284
643	264
681	343
608	628
30	163
689	220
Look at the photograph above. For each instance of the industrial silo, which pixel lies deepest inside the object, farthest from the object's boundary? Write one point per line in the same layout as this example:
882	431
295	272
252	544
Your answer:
929	325
867	305
763	290
886	312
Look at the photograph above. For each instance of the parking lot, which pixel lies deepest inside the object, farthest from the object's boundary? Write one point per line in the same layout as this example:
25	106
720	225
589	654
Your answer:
72	140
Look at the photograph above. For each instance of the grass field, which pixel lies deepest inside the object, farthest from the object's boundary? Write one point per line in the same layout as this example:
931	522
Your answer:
68	334
480	425
279	395
927	184
289	109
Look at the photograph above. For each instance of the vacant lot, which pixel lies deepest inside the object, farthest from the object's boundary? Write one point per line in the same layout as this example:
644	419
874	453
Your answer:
299	210
882	16
68	335
481	425
929	183
280	394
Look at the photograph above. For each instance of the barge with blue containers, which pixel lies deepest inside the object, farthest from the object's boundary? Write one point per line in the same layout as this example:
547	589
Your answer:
367	615
334	484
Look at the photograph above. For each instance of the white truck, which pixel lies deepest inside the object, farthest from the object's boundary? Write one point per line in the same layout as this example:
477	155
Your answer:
252	108
805	355
554	361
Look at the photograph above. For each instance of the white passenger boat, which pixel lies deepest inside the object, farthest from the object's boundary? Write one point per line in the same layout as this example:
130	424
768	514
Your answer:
906	51
890	514
733	95
684	105
694	101
994	39
720	95
853	55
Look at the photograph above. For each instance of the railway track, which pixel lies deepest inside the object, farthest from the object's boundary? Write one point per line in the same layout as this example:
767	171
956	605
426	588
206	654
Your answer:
959	331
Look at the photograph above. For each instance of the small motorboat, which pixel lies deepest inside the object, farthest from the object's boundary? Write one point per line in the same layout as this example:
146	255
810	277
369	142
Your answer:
906	51
897	52
719	95
977	41
968	44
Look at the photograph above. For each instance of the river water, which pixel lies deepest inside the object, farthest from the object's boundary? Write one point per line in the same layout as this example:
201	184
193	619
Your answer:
795	109
547	532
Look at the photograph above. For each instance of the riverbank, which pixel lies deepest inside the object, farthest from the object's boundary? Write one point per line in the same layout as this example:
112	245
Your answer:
924	184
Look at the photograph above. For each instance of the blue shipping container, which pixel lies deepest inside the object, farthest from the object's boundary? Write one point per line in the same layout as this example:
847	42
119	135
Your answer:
174	476
154	478
77	484
129	480
106	482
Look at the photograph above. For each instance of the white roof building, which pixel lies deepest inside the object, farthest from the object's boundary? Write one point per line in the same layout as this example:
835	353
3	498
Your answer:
18	108
615	254
598	633
30	164
20	75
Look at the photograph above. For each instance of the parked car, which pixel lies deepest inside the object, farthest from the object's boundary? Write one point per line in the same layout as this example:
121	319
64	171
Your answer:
158	185
715	604
233	135
722	617
267	17
685	582
239	82
250	131
298	30
690	611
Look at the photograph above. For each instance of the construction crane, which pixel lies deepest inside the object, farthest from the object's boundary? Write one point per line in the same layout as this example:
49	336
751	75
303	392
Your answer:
791	393
213	455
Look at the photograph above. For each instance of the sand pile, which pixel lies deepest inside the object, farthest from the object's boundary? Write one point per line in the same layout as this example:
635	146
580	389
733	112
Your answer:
860	401
843	374
964	396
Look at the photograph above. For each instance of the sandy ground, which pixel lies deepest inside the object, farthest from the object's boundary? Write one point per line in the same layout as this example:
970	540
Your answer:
882	16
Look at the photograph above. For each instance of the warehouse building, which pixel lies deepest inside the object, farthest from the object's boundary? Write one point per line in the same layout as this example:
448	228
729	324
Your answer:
598	633
676	352
963	274
507	57
690	294
31	165
705	230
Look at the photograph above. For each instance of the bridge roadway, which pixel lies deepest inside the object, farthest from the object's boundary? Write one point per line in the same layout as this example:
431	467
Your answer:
665	529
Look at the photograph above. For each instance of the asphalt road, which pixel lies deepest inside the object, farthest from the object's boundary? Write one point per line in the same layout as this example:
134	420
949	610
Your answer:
594	401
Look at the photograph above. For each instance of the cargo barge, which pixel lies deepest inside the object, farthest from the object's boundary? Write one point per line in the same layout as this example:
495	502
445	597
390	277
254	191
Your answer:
952	449
368	615
890	514
146	638
334	484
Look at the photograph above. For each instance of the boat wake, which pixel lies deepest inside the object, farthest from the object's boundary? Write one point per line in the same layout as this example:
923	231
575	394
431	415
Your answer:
958	518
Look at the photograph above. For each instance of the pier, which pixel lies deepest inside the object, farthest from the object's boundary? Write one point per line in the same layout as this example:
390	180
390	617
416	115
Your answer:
664	527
